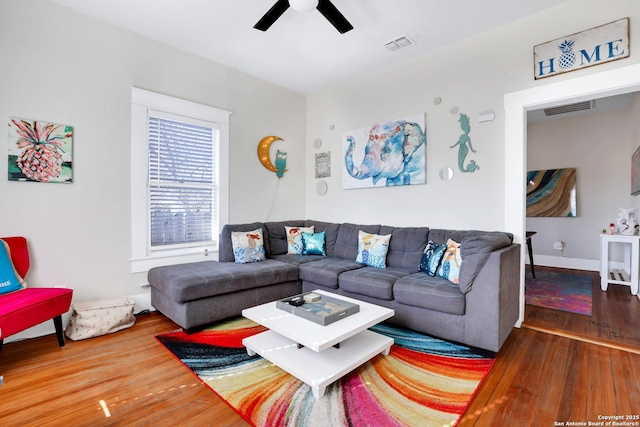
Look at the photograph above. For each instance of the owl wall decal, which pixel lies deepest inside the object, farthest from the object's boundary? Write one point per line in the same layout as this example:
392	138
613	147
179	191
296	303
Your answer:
281	163
263	155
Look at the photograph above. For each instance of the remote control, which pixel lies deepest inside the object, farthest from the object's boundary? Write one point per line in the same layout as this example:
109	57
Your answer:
297	301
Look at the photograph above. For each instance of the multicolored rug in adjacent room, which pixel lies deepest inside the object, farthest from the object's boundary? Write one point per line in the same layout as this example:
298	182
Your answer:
560	291
422	382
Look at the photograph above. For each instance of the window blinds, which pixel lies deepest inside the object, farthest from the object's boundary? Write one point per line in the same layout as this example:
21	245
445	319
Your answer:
182	187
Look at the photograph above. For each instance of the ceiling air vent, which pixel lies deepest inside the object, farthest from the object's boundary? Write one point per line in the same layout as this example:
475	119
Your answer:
398	43
569	108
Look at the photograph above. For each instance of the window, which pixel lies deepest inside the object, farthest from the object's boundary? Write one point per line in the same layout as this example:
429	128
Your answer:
179	179
181	182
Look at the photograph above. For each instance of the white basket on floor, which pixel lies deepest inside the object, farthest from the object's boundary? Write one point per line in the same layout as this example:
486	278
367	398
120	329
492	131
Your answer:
95	318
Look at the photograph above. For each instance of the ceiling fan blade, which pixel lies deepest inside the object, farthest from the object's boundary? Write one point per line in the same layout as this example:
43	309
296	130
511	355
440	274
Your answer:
272	15
333	15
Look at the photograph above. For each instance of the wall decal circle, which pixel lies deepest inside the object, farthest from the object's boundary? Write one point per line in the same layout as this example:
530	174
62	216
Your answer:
321	188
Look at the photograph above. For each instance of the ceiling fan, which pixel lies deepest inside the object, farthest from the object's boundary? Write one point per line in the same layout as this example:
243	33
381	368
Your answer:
325	7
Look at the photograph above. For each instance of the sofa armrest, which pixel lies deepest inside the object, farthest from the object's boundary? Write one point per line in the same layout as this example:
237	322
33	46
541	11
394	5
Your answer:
492	304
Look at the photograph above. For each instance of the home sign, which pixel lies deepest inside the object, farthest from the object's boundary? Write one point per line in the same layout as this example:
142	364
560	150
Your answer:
596	46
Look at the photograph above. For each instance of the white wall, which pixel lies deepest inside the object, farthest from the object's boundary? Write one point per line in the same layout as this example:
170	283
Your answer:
472	75
599	145
64	67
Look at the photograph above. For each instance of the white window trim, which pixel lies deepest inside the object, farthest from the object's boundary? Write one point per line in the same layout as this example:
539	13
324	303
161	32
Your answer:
143	101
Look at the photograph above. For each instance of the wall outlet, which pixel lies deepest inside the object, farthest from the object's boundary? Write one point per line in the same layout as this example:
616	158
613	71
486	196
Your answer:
559	245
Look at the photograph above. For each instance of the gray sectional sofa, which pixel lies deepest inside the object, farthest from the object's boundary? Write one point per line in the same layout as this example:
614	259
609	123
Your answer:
479	311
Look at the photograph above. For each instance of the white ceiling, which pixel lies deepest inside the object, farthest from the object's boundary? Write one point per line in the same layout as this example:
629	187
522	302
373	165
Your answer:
303	51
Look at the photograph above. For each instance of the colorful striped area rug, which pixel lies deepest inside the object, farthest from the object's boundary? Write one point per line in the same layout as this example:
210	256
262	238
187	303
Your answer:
560	291
422	382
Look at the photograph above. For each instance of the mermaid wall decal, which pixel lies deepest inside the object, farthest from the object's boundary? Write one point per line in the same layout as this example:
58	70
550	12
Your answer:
464	144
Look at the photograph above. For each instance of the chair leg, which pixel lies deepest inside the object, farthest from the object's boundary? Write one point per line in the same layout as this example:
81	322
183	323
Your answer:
530	250
57	322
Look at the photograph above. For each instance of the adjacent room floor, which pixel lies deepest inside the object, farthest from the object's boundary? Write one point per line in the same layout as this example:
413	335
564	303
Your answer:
615	319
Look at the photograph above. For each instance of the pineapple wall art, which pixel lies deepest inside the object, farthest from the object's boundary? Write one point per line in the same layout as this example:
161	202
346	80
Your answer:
40	151
568	56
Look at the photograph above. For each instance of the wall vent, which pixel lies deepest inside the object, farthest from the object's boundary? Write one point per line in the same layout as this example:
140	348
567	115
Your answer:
569	108
398	43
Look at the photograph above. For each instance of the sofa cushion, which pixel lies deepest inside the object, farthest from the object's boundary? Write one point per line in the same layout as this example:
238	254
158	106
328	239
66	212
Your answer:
475	251
371	281
191	281
277	236
225	245
330	234
406	246
347	241
372	249
325	272
297	259
434	293
475	248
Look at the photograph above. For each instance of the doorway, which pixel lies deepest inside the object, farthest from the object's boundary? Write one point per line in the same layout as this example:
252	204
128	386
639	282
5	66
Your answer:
517	104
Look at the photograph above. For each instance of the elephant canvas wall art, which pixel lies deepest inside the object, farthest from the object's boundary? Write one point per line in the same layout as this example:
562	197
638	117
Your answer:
385	154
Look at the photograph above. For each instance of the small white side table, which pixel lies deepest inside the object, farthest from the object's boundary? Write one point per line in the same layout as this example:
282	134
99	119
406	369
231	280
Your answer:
629	274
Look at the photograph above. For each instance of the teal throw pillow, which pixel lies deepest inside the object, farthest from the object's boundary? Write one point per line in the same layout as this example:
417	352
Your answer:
313	244
451	262
431	258
9	279
372	249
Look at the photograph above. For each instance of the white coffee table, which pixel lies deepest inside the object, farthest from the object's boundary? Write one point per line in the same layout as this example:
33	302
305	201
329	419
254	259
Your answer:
320	361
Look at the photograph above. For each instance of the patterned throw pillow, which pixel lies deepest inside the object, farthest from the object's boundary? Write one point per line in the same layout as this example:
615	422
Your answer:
313	244
248	246
372	249
431	258
294	238
10	280
451	262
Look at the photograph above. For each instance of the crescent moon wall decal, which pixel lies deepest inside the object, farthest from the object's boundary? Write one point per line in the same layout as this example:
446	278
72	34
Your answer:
263	151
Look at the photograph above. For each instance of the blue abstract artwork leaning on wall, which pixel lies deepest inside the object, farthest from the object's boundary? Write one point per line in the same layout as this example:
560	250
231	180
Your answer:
552	192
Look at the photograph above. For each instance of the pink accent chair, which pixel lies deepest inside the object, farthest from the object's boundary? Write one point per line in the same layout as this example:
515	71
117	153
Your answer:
29	307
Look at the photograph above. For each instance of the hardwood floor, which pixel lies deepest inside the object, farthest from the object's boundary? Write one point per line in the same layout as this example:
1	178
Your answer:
139	382
615	318
538	379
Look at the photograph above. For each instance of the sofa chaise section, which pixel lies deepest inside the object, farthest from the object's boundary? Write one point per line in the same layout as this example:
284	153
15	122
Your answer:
195	294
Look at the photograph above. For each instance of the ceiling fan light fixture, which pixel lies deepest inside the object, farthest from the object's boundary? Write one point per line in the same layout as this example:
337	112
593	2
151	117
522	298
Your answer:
325	7
303	5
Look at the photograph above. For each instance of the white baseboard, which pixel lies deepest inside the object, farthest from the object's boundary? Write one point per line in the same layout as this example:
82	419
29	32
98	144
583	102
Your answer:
143	302
562	262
